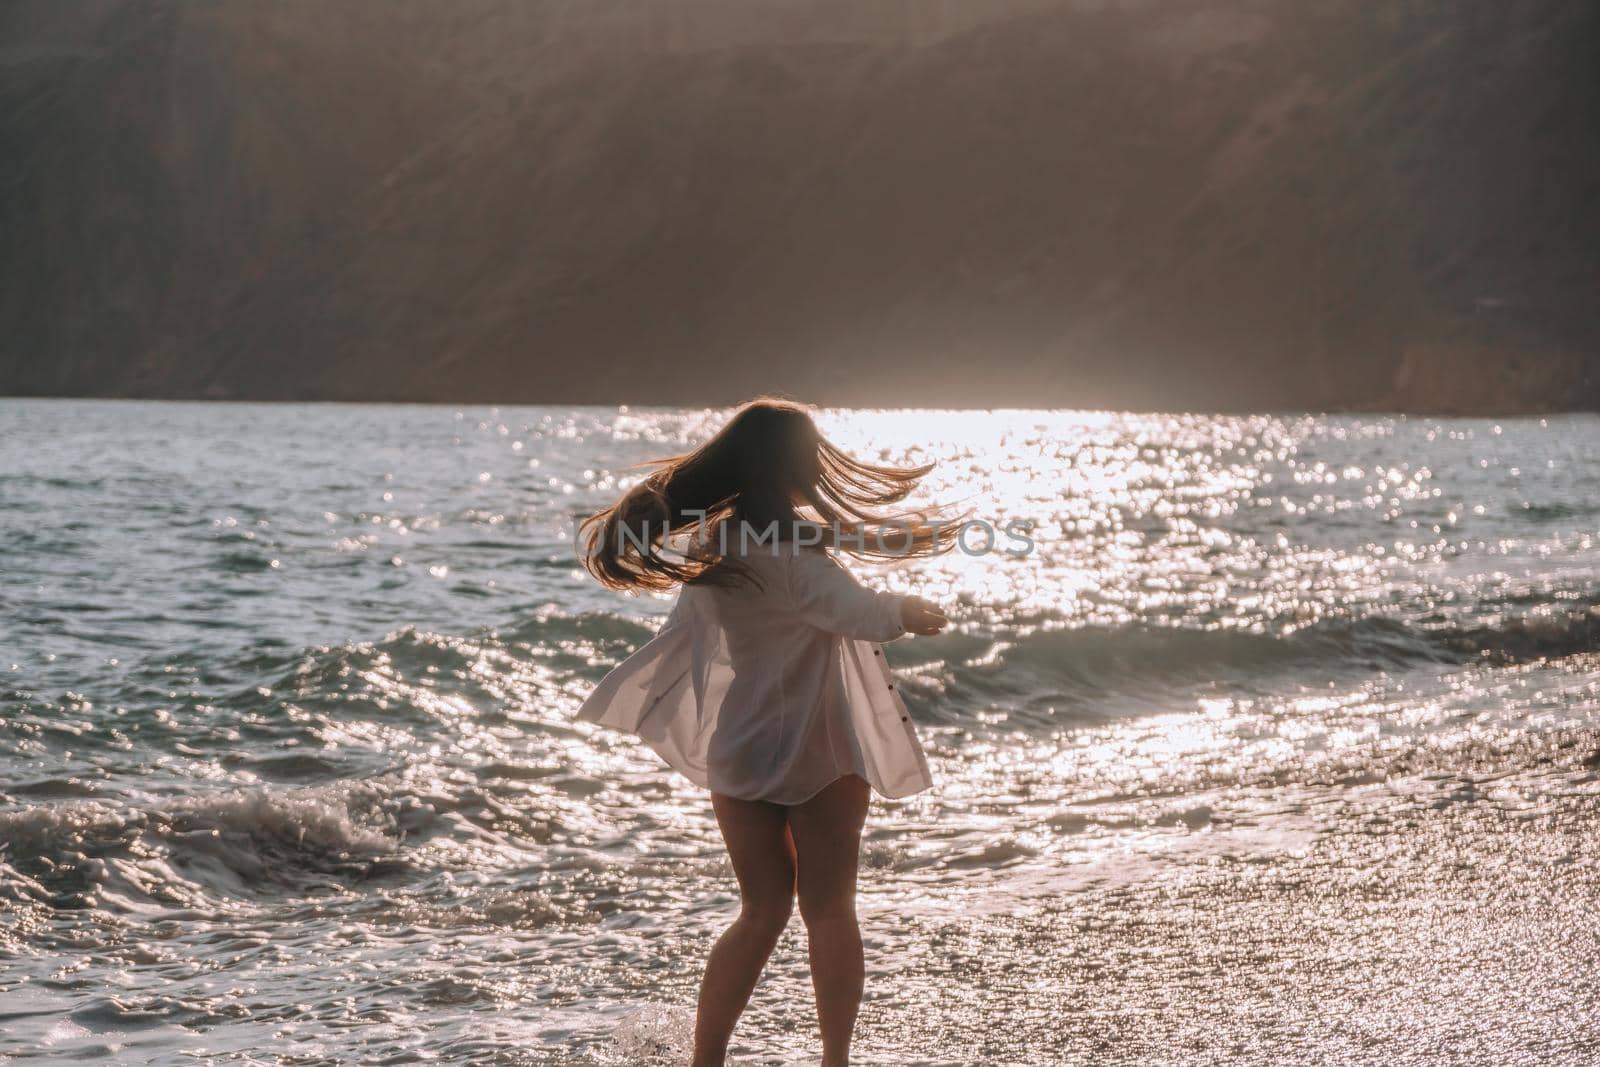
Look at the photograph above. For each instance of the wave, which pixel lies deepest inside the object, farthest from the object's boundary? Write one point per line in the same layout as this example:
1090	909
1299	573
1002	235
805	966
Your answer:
420	675
241	844
296	718
1558	511
540	667
136	854
1083	670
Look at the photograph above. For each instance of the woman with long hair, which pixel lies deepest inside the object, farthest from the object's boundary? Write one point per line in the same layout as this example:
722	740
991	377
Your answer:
766	685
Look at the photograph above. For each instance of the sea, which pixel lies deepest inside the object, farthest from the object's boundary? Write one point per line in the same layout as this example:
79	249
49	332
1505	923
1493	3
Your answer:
1281	745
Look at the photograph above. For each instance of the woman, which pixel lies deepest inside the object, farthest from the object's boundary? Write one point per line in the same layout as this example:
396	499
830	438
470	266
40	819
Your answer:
765	685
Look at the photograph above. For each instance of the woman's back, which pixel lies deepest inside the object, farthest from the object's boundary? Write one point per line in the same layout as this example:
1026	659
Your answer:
770	686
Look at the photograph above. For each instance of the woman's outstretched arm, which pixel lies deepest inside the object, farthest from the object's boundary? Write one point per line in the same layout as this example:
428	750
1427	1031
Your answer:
828	597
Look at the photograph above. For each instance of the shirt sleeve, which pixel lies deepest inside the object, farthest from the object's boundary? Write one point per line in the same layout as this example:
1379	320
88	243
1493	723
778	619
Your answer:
828	597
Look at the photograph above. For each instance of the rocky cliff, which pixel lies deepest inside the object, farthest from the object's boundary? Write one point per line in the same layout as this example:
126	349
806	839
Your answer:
1104	203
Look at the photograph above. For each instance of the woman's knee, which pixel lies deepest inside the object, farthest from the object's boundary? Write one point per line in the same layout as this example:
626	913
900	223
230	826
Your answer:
767	911
821	907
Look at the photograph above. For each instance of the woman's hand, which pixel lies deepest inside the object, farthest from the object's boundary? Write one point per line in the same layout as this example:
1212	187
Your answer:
920	616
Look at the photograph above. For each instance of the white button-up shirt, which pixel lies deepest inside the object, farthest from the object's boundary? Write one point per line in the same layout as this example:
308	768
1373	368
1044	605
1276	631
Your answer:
771	692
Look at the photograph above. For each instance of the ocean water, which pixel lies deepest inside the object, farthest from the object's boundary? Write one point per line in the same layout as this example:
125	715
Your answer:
1281	747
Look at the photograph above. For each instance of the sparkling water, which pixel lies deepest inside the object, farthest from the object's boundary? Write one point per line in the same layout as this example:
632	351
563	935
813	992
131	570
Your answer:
1281	745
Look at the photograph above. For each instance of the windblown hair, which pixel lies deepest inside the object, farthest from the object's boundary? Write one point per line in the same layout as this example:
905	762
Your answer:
769	463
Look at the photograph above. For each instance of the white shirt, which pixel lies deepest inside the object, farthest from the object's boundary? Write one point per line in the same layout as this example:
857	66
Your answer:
771	693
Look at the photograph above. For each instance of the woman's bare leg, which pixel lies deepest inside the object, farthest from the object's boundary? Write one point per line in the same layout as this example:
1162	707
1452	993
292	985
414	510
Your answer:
757	835
827	841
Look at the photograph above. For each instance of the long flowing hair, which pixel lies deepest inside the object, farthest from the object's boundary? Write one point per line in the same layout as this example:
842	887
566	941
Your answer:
768	464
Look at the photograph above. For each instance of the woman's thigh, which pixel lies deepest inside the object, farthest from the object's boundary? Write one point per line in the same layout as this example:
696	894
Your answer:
827	841
757	836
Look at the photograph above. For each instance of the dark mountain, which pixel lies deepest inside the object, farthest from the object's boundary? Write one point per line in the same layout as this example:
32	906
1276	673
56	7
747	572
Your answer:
1124	203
